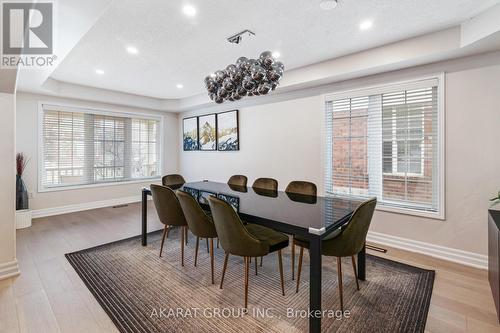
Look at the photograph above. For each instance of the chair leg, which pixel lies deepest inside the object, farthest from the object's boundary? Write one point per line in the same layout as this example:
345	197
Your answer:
217	242
247	265
196	251
299	271
293	258
339	272
261	261
256	266
212	258
224	270
208	250
186	232
280	259
165	232
168	230
355	271
182	245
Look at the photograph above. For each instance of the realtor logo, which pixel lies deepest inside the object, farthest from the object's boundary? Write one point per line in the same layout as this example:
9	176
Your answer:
27	28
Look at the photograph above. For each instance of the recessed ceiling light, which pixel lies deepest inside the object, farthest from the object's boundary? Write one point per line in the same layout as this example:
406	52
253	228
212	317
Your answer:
132	50
99	71
328	4
365	25
179	86
276	54
189	10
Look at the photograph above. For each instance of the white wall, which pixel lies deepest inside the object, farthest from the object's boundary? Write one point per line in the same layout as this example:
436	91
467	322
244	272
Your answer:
8	263
280	140
27	129
283	140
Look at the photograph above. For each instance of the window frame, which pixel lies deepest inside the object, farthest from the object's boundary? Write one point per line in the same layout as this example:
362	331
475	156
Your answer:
96	111
392	86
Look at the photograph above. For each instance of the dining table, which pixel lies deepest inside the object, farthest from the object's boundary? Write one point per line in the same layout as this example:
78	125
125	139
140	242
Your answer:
311	217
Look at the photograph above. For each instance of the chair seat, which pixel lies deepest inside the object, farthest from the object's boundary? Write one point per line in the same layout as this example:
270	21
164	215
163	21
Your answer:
275	239
302	241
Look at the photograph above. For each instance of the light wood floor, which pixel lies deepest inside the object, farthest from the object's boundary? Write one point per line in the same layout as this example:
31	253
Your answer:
48	296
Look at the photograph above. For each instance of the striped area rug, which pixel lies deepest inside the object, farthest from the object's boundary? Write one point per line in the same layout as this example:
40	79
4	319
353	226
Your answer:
144	293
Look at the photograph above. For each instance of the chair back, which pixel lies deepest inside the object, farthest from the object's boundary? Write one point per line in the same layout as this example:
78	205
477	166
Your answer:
302	187
173	181
266	184
167	206
238	180
198	221
353	237
234	237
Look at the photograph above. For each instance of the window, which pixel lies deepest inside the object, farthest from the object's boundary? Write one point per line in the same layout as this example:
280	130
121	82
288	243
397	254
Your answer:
385	142
81	147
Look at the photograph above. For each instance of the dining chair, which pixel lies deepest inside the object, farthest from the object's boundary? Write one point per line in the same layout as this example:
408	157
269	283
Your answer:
246	241
301	188
200	224
238	180
343	242
169	212
266	184
174	181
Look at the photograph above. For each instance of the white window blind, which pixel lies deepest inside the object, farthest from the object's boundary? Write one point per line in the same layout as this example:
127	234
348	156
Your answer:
384	142
81	147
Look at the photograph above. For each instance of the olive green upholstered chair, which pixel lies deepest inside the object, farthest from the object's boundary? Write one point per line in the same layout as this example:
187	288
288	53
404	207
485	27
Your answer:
300	188
200	224
173	181
170	213
238	180
266	184
245	240
343	242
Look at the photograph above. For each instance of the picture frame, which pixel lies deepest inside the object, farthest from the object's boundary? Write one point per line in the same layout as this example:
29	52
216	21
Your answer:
207	132
190	133
228	132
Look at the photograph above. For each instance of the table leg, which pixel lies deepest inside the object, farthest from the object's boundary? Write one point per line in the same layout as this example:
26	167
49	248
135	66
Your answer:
361	264
144	218
315	285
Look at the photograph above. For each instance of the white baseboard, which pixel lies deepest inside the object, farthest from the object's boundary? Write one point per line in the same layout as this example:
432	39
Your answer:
44	212
9	269
436	251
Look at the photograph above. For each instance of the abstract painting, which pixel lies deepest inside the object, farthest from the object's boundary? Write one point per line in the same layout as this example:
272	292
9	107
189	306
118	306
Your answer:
190	133
228	131
208	132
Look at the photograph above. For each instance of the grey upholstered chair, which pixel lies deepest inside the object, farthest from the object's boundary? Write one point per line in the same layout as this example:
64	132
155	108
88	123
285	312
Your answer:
170	213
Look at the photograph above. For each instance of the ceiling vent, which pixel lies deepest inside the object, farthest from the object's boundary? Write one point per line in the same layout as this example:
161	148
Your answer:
236	39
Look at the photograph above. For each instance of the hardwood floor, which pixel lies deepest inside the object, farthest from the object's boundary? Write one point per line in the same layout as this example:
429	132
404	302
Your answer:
49	296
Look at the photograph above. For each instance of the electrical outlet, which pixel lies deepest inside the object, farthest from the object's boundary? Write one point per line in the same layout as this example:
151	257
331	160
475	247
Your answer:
30	195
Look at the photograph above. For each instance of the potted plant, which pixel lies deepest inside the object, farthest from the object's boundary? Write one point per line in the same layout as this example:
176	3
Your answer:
23	214
21	191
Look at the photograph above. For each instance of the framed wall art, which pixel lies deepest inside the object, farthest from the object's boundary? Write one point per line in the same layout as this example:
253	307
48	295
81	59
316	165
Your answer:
228	131
190	133
207	132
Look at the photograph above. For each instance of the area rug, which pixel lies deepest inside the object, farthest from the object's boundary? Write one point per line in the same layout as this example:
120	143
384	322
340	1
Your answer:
144	293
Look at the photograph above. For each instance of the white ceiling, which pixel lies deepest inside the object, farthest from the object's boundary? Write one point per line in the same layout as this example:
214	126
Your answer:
176	49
